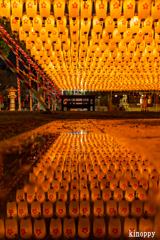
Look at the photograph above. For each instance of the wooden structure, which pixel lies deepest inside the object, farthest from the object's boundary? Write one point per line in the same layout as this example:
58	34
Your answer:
85	101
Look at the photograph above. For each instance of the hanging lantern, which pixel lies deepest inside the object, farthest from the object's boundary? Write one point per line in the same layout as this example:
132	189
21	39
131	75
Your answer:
101	9
97	25
74	24
85	25
38	44
49	24
5	7
15	25
60	208
115	9
39	228
37	23
122	25
54	35
22	35
35	209
11	209
144	8
129	9
86	9
29	44
44	7
48	44
73	8
116	36
135	25
66	45
11	227
149	37
31	8
59	8
147	25
25	228
61	25
130	224
40	195
83	37
43	35
26	23
32	35
114	227
83	227
109	24
17	8
55	227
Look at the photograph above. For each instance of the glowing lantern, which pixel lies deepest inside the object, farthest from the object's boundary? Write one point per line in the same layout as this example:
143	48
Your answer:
54	35
20	195
129	8
101	9
85	25
145	223
44	7
59	8
149	37
43	35
22	35
61	25
130	224
29	44
114	227
83	227
69	228
86	9
15	25
73	8
35	209
22	209
105	36
123	208
31	8
49	24
37	23
39	228
74	24
136	208
11	209
132	46
32	35
97	25
48	44
135	25
60	208
40	195
66	45
5	9
122	25
11	227
109	24
98	208
47	209
116	36
147	25
38	44
83	36
144	8
26	23
17	8
115	9
55	227
25	228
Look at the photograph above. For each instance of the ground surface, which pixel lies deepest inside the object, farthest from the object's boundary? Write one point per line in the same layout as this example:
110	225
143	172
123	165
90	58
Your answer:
14	123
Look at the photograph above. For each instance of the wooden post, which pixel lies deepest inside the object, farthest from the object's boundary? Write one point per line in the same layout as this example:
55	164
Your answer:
38	88
30	95
156	100
18	80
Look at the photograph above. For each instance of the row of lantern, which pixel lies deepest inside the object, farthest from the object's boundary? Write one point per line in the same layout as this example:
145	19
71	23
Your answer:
122	26
144	7
25	229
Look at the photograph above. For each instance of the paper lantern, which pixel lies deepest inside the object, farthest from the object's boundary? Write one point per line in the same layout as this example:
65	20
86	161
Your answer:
74	24
25	228
38	44
49	24
61	25
130	224
122	25
39	228
73	8
85	25
29	44
97	25
109	24
101	9
31	8
17	9
11	227
15	25
22	209
83	227
136	208
11	209
147	25
145	224
59	9
60	208
86	9
69	228
43	35
55	227
54	35
144	8
44	7
47	209
57	46
35	209
37	23
5	7
22	35
98	208
116	36
129	8
40	195
114	227
115	9
32	35
135	25
149	37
